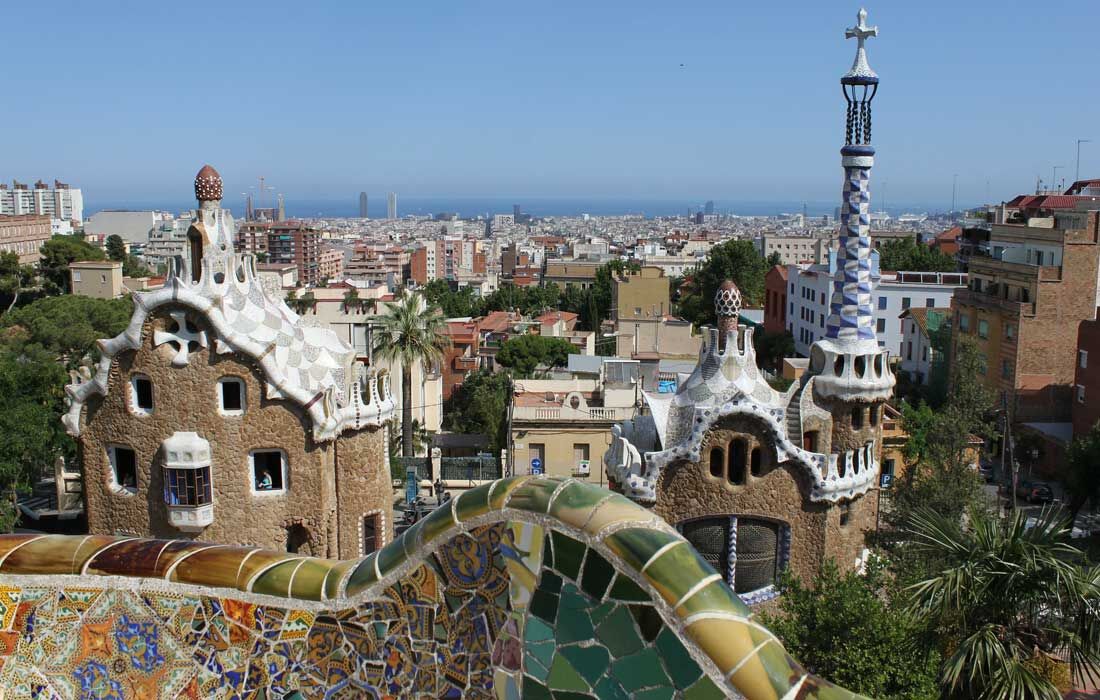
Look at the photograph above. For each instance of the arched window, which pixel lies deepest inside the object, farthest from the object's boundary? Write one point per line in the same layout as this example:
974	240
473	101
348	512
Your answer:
737	456
716	459
857	417
755	461
194	240
757	555
711	538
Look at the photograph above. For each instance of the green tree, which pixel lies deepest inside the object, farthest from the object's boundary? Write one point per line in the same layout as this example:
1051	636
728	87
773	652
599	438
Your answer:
907	255
116	248
410	331
771	348
1081	472
524	353
853	630
57	254
132	267
1008	604
735	260
14	277
68	326
775	260
453	303
480	406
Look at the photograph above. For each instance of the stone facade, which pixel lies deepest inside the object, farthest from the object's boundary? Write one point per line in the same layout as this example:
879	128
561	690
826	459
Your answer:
218	415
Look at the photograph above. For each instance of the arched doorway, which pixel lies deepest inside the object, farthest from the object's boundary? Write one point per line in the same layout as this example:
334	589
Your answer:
297	540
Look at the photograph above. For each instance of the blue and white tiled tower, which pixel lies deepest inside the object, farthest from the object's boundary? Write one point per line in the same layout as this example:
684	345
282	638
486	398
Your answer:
851	363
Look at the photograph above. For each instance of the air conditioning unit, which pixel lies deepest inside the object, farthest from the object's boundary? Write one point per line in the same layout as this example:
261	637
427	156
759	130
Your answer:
583	468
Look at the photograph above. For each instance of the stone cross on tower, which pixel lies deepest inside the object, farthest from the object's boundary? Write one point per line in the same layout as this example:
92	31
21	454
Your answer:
861	32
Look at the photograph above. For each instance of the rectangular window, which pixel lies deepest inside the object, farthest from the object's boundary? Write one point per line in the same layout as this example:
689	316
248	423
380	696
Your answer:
909	350
1006	369
187	487
1082	358
76	275
1080	393
1010	330
880	325
888	466
580	452
964	322
231	390
268	471
823	297
983	328
904	303
882	303
142	394
123	467
930	303
372	528
845	513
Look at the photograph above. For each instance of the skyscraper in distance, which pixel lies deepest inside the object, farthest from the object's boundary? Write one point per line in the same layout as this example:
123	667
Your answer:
362	205
391	205
708	208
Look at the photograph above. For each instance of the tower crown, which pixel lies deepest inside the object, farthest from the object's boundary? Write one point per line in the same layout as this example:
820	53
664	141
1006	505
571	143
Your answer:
860	84
208	185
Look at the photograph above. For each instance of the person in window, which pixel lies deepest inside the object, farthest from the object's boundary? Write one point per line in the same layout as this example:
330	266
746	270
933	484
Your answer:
128	481
264	484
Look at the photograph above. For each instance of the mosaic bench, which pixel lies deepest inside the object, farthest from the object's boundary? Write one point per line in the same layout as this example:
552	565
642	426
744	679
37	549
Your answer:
526	587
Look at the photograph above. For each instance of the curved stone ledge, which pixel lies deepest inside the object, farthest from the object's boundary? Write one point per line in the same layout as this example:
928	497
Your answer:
541	539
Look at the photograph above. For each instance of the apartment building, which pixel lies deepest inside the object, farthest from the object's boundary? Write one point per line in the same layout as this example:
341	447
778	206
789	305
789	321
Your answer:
61	201
581	273
330	264
793	250
809	288
297	243
1029	291
775	300
24	236
918	326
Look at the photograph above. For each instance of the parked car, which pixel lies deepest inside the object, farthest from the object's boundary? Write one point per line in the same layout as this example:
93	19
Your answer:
986	471
1034	491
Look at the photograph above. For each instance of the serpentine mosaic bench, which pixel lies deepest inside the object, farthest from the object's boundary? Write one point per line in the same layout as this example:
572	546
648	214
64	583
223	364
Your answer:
526	587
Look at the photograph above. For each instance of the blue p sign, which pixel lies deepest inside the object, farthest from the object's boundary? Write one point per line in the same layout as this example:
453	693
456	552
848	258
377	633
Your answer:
536	466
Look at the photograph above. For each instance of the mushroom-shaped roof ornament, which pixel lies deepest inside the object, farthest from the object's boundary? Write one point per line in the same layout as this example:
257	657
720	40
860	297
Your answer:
208	185
727	306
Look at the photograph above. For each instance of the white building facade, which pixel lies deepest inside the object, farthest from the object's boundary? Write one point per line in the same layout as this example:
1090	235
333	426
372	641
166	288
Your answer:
60	202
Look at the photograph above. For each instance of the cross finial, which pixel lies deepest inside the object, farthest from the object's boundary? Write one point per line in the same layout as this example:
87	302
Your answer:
861	32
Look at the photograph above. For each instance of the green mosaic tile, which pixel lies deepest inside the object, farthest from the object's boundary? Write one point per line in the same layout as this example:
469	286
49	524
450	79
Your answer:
533	495
619	634
551	582
547	551
362	577
436	523
597	575
543	652
636	545
704	689
576	502
649	621
625	589
502	488
544	605
659	693
641	670
309	579
716	595
533	690
570	695
677	571
777	664
615	510
574	624
536	631
682	669
567	554
564	677
276	580
472	503
611	689
589	661
601	611
411	538
336	577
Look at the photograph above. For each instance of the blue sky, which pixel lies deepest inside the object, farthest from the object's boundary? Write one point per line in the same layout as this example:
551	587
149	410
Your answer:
551	99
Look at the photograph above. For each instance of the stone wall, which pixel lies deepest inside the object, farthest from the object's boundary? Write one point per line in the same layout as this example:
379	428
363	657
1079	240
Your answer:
186	399
527	587
363	488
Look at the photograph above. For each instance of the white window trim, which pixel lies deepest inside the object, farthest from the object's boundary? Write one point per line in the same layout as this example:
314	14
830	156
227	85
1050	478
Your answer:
244	396
1083	359
383	540
112	471
134	408
263	493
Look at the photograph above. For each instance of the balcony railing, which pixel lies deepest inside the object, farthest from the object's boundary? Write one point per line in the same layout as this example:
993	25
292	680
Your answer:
567	413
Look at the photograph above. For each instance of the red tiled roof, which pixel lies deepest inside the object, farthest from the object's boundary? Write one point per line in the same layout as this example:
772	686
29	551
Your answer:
950	234
554	316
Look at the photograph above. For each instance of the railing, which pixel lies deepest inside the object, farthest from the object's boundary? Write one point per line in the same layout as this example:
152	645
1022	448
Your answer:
485	468
567	413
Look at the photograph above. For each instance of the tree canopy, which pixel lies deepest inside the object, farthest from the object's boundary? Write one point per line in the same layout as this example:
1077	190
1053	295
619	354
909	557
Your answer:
524	353
737	260
57	253
480	406
66	326
907	254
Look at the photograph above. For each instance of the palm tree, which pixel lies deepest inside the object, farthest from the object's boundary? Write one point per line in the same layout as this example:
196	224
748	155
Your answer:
1012	603
410	331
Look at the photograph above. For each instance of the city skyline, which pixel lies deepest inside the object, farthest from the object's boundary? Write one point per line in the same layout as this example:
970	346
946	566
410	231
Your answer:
610	101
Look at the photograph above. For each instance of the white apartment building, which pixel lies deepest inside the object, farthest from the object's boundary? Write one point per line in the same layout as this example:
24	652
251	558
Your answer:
810	289
917	354
794	250
166	240
131	226
58	202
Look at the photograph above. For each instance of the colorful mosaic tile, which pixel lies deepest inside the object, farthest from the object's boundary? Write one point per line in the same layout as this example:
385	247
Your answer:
553	590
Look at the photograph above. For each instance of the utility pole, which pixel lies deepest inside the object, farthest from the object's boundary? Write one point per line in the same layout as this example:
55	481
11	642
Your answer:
1077	173
954	189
